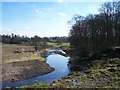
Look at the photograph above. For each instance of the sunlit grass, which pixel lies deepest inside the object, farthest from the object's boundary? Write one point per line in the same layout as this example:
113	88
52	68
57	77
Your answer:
59	45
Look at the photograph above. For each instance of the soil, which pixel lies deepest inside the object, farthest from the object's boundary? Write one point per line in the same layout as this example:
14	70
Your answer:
16	71
18	65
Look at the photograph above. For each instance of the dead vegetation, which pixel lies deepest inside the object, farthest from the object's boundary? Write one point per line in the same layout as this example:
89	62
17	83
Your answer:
13	53
22	62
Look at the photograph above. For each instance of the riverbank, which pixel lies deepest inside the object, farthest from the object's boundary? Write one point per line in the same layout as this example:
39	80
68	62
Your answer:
107	76
16	71
101	74
22	65
98	73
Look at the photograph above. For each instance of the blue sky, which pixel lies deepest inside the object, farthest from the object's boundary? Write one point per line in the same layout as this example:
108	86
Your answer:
42	18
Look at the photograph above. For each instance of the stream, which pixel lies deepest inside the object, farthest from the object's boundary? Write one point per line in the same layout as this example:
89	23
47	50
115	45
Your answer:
57	61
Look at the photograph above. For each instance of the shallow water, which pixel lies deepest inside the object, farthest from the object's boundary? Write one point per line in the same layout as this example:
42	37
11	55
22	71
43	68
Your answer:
56	61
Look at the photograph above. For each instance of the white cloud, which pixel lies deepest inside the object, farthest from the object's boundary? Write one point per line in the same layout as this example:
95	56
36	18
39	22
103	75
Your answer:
62	14
37	11
7	29
59	0
1	29
27	27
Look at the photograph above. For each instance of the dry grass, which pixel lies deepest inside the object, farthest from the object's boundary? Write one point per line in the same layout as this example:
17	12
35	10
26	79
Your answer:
22	65
9	55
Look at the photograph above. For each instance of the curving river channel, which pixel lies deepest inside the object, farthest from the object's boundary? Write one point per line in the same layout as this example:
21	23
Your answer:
59	62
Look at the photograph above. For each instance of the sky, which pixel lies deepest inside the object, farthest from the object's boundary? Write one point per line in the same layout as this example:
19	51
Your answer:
44	19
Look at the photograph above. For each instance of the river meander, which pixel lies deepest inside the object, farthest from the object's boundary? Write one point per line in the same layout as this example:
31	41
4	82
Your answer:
59	62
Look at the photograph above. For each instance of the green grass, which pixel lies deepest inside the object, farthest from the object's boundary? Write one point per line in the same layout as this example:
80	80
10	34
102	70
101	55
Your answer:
35	86
59	45
97	73
55	45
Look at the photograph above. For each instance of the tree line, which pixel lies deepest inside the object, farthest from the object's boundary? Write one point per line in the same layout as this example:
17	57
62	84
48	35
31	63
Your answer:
96	32
36	40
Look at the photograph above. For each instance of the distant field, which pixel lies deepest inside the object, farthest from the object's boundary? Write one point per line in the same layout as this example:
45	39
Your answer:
9	55
57	45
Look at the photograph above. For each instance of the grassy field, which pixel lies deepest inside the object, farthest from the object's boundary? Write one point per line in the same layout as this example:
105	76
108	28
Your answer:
58	46
9	55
